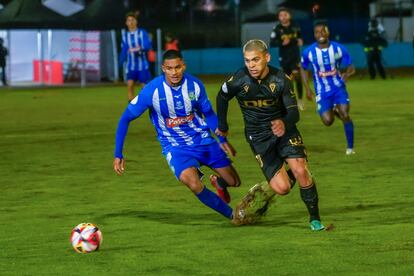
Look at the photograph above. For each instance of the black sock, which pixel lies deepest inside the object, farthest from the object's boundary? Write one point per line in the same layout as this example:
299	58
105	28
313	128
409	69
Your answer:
310	198
222	183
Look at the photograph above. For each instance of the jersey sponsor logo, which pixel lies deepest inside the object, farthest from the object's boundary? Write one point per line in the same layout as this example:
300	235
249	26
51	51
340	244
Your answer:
174	122
327	73
272	87
260	102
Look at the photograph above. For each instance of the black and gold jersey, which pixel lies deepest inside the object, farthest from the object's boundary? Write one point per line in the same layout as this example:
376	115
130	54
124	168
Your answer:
261	101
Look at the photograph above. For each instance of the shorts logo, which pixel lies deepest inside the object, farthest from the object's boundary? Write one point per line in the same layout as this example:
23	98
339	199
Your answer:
259	159
297	141
174	122
272	87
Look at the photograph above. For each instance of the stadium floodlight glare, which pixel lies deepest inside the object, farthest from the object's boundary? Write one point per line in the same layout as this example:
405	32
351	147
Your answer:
63	7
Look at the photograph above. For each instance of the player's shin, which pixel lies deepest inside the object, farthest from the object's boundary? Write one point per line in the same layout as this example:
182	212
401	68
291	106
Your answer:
349	133
211	200
309	196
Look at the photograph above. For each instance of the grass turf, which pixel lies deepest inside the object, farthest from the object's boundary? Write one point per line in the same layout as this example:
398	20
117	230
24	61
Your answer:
56	171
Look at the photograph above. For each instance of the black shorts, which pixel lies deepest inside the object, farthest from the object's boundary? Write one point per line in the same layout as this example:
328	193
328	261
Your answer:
272	153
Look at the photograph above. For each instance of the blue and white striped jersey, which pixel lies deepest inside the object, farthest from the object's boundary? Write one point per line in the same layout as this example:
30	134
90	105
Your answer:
134	47
326	64
177	112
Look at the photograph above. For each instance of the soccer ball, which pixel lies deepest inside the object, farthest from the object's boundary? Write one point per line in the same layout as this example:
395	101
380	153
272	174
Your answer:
86	237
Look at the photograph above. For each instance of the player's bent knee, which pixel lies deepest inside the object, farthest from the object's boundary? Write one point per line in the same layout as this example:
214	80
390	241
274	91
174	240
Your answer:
280	188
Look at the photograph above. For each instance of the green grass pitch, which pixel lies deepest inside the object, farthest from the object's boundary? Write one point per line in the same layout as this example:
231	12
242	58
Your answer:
56	148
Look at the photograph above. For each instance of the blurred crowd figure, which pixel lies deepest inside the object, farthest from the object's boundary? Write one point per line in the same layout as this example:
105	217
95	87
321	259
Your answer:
3	54
286	35
374	43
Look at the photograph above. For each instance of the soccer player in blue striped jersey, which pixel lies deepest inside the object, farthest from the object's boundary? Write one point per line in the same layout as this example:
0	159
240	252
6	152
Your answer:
184	121
327	57
134	47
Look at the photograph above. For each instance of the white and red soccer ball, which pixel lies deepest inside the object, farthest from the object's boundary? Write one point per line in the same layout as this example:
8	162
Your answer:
86	238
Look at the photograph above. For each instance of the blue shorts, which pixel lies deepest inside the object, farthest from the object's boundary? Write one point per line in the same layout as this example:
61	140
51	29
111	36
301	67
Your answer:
143	76
184	157
327	100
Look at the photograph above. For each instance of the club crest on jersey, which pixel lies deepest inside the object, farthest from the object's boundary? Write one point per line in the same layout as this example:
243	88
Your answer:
246	88
191	96
272	87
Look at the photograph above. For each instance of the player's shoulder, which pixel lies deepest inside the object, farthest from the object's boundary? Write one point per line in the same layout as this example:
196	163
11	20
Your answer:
310	48
193	80
239	75
277	75
336	44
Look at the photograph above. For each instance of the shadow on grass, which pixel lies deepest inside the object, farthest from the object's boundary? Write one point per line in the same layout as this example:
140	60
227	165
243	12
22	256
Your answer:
169	217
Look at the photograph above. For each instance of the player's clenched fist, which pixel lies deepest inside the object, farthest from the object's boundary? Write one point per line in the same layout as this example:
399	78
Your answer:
119	165
278	127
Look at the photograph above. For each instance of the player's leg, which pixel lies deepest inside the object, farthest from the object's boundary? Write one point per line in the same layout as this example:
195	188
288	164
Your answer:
214	157
184	165
325	105
371	67
191	179
308	191
299	87
380	67
343	107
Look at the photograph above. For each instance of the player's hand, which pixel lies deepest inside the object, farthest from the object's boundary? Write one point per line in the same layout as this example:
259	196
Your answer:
221	133
300	42
278	127
119	165
228	148
344	77
309	94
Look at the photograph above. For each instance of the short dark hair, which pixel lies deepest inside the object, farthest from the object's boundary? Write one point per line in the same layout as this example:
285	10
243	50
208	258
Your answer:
323	23
133	14
283	9
171	54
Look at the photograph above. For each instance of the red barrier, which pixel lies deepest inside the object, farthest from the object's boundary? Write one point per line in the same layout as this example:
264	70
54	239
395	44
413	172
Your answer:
52	71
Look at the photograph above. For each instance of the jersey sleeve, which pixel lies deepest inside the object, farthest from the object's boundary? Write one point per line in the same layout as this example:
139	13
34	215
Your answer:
124	50
275	37
346	58
141	102
290	103
205	107
146	43
304	61
226	93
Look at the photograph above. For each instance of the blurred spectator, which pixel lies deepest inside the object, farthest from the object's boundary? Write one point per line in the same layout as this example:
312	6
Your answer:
373	45
171	42
374	24
152	56
134	47
3	54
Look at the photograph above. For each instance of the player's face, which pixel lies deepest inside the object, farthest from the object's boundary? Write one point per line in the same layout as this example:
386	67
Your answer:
131	23
284	17
173	70
321	34
256	62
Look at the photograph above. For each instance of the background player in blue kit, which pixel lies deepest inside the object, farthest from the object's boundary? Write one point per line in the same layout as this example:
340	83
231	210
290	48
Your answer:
332	99
183	118
134	47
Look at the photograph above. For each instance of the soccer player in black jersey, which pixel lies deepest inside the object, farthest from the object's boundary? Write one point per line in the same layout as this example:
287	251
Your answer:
287	36
270	114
